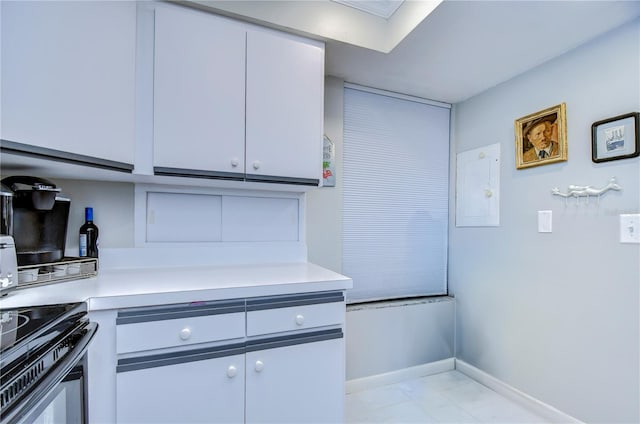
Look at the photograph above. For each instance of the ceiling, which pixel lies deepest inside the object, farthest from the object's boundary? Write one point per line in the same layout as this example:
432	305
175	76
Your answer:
459	50
331	19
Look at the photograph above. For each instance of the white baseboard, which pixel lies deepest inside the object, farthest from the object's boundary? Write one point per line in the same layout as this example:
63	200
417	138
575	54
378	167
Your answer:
398	376
534	405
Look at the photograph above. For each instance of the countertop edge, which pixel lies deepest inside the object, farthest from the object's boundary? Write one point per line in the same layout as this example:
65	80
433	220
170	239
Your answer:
100	303
139	287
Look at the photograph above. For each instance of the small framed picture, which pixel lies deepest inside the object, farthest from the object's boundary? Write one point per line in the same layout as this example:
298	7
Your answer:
616	138
541	137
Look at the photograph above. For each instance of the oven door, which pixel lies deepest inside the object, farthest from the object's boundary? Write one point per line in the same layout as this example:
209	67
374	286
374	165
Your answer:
61	396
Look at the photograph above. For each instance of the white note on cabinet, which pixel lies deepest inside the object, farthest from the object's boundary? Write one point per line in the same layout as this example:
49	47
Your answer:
478	187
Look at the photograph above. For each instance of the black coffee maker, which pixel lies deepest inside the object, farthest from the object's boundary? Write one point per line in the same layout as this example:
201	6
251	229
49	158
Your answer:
39	216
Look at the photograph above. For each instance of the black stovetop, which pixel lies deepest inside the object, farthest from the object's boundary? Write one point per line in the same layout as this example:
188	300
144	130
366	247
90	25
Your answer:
25	329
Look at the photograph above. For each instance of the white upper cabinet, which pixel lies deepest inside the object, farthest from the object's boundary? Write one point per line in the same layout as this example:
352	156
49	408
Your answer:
285	109
170	89
234	101
199	93
68	77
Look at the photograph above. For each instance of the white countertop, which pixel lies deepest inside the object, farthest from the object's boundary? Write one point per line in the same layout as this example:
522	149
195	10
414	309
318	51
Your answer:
124	288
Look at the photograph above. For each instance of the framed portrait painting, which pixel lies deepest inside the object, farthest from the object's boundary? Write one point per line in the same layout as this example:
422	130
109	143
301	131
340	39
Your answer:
541	137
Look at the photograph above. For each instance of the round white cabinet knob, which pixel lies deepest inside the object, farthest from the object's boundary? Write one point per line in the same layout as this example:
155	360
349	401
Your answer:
256	164
234	162
299	319
185	333
232	371
259	366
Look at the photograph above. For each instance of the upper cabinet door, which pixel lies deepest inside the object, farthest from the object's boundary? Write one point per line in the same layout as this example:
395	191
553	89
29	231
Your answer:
68	75
285	107
199	92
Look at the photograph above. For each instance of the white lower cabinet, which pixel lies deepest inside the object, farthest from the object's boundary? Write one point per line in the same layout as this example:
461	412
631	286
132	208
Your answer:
195	391
302	383
197	363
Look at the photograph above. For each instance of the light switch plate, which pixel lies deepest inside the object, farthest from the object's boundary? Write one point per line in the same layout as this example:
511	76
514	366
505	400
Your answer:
630	228
544	221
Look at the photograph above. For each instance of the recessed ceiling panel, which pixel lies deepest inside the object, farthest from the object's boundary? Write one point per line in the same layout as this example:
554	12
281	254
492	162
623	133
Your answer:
381	8
333	19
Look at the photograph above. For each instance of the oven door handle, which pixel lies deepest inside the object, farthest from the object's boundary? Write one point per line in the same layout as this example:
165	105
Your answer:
49	383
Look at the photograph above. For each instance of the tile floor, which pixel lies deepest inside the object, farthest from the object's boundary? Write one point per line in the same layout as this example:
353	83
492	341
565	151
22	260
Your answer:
448	397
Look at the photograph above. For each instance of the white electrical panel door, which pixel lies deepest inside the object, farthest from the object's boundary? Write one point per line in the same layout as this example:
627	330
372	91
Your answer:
285	106
478	187
199	91
68	76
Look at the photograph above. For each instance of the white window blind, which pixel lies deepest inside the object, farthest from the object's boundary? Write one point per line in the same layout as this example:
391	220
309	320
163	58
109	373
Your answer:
395	188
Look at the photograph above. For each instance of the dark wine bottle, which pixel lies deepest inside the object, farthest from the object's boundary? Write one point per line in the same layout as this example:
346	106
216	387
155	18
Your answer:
89	235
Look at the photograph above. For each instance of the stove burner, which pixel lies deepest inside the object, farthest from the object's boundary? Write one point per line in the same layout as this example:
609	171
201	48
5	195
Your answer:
9	324
11	321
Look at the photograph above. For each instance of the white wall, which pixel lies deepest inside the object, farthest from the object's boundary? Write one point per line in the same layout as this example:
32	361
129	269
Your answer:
565	329
324	205
390	336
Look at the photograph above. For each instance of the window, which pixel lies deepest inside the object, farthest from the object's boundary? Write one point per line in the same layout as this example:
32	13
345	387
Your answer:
396	190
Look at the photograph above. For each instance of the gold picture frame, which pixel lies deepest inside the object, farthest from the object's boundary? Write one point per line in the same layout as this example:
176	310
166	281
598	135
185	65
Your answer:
541	137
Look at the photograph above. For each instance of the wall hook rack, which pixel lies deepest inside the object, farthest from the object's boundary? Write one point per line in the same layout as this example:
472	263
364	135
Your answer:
586	191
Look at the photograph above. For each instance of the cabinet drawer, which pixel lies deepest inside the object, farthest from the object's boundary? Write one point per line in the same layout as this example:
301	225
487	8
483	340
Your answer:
163	327
279	314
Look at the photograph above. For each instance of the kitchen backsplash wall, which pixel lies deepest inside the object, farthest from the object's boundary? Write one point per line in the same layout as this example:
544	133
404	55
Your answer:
112	205
257	227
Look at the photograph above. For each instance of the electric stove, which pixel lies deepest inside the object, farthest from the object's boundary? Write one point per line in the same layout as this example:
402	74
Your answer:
36	343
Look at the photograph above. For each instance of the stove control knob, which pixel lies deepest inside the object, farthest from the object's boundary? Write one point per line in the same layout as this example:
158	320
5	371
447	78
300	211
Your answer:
4	282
